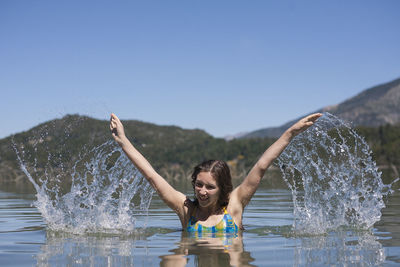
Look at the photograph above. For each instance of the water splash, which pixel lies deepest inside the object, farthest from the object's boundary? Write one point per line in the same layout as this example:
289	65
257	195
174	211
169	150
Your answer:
106	194
333	178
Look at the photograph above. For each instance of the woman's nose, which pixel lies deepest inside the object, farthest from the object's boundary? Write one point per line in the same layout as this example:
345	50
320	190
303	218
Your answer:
202	191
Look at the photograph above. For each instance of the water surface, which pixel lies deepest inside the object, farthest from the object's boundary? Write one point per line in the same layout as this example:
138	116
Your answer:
267	241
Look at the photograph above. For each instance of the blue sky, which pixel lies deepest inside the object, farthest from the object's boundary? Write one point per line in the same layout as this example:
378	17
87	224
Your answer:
222	66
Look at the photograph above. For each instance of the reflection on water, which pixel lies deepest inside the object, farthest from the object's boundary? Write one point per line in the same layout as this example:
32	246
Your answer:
67	249
22	235
343	248
209	250
339	248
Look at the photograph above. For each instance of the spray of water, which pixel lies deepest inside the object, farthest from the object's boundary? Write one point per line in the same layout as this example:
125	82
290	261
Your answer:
333	178
328	168
107	193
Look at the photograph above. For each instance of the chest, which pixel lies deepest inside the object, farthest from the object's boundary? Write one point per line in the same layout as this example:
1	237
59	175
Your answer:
207	221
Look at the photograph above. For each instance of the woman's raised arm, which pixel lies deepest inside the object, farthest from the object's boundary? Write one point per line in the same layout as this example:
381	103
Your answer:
173	198
244	192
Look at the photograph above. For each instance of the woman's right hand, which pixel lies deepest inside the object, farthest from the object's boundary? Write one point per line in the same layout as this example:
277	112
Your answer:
117	129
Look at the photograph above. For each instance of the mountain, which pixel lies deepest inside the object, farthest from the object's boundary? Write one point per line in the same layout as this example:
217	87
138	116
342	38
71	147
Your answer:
376	106
52	149
54	146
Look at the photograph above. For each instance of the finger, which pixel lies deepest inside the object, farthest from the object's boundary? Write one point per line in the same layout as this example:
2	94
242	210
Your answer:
113	125
114	119
313	117
113	116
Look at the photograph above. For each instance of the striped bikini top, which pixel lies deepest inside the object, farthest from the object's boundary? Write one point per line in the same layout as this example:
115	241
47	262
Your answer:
226	225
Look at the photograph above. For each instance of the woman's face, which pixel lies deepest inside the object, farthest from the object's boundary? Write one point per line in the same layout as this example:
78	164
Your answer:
206	190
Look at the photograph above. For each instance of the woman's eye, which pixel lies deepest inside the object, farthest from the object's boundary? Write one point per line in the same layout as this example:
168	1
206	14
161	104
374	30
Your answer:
209	187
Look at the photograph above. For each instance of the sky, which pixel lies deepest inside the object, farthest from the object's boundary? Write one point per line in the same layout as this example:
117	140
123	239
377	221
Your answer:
222	66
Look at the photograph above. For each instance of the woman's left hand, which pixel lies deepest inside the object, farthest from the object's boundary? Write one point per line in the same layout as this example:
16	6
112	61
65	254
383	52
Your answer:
303	124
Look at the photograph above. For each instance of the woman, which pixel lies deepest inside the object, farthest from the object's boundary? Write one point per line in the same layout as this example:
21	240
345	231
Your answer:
217	207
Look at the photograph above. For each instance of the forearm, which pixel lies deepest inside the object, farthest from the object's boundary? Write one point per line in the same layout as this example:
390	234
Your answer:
137	158
253	179
274	151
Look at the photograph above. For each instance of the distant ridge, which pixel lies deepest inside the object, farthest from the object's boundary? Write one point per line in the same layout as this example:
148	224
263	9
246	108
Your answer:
59	143
373	107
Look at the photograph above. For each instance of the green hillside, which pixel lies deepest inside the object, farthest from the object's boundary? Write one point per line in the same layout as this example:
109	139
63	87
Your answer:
56	145
384	142
172	151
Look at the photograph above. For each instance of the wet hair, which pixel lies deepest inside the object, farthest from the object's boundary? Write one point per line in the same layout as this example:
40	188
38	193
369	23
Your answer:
219	170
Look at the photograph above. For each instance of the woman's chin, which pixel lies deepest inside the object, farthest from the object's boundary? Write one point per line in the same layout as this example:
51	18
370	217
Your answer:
206	203
203	203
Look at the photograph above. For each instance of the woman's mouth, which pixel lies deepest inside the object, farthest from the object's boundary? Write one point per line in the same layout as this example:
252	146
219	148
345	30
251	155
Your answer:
203	198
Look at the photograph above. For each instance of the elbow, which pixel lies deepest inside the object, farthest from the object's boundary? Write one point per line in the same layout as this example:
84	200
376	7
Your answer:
261	168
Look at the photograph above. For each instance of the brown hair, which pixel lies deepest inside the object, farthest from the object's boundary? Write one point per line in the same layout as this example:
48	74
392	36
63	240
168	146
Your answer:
220	172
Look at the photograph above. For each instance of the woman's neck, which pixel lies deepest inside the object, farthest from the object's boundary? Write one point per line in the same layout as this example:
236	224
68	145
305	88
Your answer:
204	212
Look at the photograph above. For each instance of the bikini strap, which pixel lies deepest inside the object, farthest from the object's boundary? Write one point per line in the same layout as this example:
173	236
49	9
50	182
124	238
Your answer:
225	211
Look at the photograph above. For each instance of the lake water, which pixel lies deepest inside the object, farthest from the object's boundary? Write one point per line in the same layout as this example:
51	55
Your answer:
267	241
335	211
